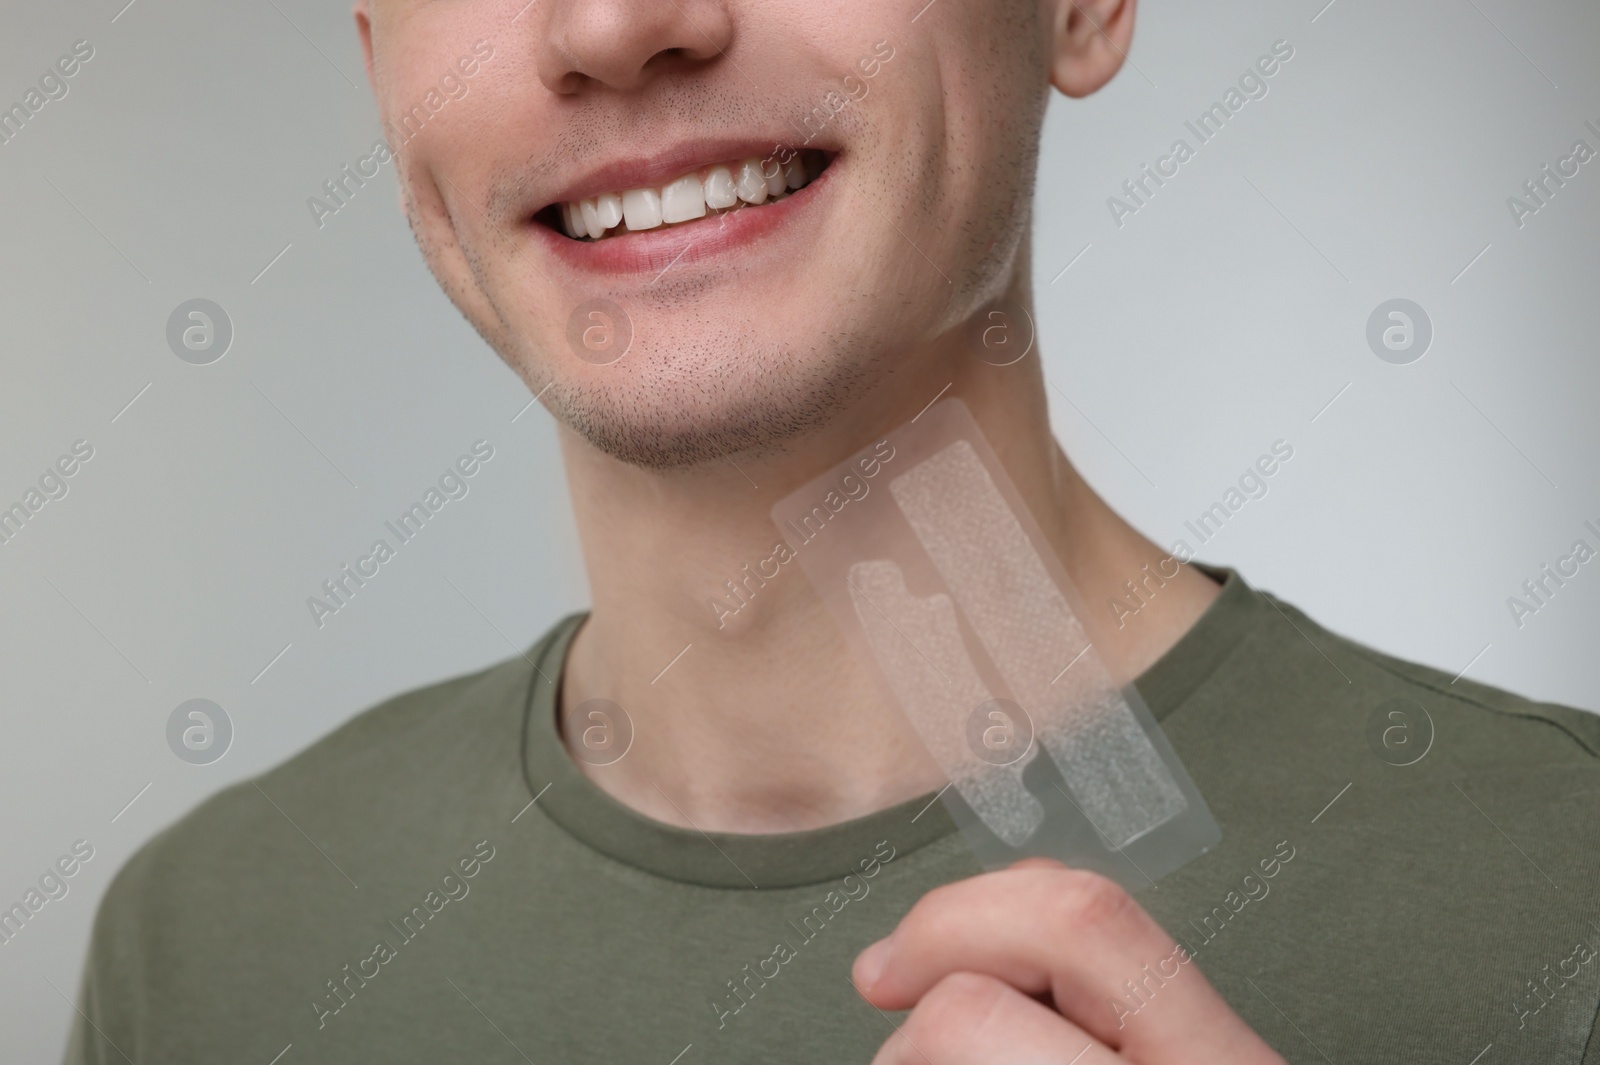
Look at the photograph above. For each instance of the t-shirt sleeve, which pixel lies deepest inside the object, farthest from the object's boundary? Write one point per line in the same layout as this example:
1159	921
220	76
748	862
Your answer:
83	1045
104	1023
1591	1051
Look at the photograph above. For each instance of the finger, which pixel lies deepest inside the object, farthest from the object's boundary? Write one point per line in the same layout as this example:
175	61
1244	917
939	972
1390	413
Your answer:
1037	863
972	1019
1075	935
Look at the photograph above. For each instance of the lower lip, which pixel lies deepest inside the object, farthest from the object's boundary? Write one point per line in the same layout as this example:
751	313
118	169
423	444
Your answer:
654	251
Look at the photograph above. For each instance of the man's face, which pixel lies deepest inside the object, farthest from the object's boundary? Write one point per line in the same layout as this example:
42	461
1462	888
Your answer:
911	130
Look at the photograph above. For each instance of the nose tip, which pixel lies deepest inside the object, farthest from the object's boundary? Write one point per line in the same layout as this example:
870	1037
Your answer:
624	44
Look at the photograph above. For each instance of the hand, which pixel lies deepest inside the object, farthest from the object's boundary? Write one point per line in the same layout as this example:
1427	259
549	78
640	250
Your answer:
1028	964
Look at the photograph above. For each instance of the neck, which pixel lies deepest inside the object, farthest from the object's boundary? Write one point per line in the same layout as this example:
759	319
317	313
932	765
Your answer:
766	722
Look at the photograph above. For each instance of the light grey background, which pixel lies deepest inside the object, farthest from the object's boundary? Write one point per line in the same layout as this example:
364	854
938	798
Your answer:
1228	312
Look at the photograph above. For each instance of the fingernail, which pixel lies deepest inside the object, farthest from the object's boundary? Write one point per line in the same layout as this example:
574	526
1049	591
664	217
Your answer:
871	963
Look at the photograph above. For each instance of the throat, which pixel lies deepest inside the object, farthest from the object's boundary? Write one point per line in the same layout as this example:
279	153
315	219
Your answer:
780	732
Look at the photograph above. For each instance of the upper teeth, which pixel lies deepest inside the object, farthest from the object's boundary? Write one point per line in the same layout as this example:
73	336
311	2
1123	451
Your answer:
717	188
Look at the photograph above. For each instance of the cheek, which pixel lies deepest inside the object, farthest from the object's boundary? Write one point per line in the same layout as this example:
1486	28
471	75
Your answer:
992	112
444	176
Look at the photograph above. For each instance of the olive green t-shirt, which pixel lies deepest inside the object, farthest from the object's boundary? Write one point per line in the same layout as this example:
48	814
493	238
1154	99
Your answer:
437	882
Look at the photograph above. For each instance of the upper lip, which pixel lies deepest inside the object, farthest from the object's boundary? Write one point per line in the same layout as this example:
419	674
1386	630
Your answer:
660	167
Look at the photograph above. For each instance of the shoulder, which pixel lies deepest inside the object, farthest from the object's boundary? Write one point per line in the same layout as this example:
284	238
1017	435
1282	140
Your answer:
1496	725
364	800
272	867
1450	830
374	761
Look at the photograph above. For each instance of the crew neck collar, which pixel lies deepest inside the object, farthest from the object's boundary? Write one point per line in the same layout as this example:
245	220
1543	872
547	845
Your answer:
741	862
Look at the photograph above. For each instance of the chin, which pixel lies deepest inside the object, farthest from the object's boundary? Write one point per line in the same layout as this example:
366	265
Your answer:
691	408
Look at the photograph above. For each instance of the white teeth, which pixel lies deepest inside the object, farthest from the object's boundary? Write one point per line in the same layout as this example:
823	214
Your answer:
752	187
772	173
723	187
719	189
608	207
641	208
684	200
591	219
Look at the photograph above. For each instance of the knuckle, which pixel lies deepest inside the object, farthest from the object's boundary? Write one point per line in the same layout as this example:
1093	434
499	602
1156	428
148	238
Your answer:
954	1008
935	912
1088	899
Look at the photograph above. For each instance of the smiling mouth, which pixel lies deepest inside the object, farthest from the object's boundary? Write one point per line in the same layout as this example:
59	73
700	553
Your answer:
710	190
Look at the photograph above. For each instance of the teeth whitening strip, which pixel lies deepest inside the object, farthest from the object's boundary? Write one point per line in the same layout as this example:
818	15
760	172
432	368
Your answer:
948	590
902	628
1118	779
